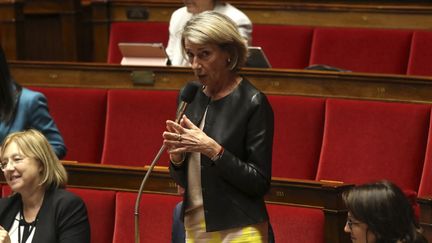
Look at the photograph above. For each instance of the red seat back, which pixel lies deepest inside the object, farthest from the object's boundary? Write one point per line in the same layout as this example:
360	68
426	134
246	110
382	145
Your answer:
285	46
6	190
299	123
80	116
135	123
101	209
155	217
362	50
152	32
368	141
421	54
425	189
296	224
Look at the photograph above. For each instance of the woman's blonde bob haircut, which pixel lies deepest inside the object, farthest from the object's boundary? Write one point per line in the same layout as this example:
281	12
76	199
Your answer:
34	145
211	27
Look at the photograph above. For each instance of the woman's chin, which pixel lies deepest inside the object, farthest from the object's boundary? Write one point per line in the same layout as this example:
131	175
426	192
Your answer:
15	185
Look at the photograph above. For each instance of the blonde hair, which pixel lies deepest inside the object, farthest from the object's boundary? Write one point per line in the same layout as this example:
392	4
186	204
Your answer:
33	144
210	27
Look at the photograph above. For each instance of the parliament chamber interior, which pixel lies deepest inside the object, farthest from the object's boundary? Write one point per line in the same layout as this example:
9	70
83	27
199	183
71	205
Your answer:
367	120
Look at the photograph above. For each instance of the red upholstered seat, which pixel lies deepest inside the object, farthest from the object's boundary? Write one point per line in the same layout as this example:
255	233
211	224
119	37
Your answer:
296	224
6	190
367	141
285	46
421	54
135	32
135	123
80	117
155	217
362	50
101	210
298	134
425	188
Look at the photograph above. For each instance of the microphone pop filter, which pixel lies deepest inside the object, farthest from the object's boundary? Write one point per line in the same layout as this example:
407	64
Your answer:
188	93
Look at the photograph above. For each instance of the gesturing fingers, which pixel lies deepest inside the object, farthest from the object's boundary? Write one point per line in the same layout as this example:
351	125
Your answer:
185	122
174	127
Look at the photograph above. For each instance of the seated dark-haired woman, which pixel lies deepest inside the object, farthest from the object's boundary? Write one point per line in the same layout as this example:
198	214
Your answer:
380	212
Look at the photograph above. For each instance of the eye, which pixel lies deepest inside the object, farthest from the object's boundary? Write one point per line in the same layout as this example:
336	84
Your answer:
204	54
17	159
3	163
189	55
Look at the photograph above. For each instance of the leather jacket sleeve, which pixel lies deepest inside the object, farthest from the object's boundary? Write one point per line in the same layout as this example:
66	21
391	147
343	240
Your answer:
248	168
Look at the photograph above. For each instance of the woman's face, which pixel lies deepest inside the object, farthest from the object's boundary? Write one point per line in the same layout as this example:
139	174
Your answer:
358	231
198	6
209	62
22	173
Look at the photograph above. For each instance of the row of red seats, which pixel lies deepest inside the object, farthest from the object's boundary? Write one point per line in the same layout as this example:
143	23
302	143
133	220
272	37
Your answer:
369	50
353	141
111	216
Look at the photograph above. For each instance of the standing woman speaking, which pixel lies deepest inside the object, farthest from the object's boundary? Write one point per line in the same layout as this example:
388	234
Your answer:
221	151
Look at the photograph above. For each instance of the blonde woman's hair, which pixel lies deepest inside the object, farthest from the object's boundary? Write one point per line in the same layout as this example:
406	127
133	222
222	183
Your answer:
210	27
33	144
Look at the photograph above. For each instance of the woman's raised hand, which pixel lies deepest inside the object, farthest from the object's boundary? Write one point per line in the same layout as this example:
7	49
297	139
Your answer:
186	137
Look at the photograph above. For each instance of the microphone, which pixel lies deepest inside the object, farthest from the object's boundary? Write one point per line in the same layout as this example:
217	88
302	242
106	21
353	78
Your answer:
186	97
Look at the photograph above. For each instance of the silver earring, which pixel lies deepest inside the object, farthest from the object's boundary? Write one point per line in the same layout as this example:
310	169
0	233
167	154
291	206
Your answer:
229	60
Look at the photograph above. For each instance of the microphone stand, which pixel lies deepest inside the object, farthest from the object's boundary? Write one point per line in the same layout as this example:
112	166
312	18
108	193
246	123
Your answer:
181	111
137	202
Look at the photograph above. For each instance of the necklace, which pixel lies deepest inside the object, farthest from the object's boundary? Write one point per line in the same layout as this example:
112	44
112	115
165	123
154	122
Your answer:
28	227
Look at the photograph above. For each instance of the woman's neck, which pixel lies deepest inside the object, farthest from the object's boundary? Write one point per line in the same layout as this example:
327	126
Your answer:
225	88
32	204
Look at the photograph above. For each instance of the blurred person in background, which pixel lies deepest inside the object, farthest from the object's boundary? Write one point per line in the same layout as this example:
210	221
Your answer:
22	109
193	7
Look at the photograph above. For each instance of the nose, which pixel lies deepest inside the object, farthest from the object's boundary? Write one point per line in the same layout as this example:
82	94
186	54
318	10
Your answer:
9	166
347	228
195	63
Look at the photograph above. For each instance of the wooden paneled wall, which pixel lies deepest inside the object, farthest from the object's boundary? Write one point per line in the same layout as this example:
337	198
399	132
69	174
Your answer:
74	30
44	30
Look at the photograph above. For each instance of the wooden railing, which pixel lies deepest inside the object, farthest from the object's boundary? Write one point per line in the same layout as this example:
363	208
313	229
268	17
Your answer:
271	81
323	195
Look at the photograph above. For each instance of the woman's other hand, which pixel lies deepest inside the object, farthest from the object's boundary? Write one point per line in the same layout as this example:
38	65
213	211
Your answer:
4	236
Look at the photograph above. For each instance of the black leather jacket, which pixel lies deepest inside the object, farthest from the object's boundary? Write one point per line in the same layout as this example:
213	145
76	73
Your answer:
234	186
